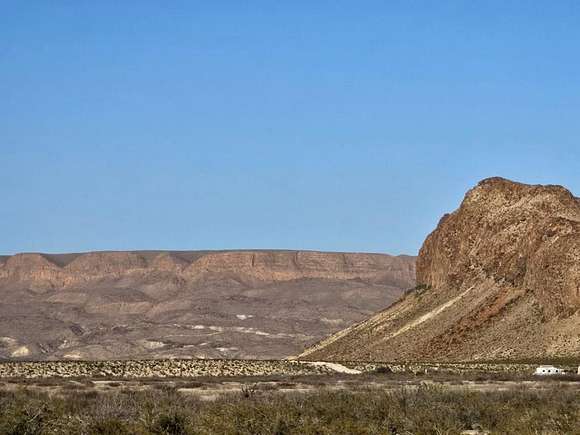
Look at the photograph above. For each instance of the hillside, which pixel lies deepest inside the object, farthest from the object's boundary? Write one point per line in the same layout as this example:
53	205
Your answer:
156	304
499	278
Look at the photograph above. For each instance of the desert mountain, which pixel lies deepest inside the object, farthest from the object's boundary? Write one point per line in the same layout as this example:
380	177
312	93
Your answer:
210	304
499	278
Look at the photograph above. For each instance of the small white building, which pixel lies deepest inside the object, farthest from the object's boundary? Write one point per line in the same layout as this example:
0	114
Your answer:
548	370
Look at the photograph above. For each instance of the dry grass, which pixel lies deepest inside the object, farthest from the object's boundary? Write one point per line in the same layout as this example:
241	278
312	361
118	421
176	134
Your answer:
425	410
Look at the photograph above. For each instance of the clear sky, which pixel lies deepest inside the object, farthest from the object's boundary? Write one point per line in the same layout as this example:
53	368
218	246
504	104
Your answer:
331	125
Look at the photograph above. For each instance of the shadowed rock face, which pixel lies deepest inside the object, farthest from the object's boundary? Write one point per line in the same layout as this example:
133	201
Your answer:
243	304
499	278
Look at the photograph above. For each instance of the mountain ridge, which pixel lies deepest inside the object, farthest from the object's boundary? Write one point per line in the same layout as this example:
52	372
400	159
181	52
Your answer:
165	304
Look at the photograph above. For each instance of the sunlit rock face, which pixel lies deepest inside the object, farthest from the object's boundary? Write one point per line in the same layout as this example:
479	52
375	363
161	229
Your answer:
499	278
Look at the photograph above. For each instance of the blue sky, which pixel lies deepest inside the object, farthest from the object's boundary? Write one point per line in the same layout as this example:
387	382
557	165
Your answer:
331	125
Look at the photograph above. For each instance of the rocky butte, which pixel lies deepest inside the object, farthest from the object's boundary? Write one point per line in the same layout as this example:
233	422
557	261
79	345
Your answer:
195	304
498	279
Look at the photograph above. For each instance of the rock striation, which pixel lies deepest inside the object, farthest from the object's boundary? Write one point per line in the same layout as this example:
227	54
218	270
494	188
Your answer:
499	278
43	272
244	304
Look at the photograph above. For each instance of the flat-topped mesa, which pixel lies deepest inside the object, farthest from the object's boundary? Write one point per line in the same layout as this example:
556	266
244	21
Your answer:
518	235
184	304
69	270
289	265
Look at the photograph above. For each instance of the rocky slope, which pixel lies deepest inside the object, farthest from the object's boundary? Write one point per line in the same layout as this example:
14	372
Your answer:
498	279
242	304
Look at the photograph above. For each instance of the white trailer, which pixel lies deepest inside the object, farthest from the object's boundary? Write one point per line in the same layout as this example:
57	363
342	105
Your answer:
548	370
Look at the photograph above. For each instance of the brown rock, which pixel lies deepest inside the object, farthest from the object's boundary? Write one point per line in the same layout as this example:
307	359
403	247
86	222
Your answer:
499	278
244	304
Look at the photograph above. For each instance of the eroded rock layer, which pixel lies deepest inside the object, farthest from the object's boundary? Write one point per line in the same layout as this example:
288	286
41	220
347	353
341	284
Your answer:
243	304
498	279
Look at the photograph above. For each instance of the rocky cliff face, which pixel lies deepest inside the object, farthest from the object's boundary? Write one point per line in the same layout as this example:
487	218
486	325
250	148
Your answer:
256	304
499	278
518	235
44	272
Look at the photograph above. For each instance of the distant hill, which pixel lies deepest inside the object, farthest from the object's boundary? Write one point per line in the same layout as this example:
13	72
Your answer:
498	279
208	304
